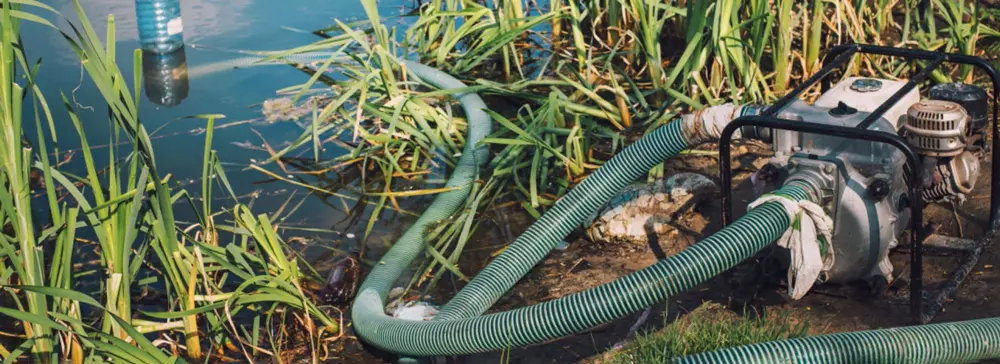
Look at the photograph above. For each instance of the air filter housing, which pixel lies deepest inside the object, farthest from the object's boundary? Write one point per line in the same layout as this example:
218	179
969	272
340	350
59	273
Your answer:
937	128
972	98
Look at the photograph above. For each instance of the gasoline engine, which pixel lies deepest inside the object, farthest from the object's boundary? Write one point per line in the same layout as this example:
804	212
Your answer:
862	184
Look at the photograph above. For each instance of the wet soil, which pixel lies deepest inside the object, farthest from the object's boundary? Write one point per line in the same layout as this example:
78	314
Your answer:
826	309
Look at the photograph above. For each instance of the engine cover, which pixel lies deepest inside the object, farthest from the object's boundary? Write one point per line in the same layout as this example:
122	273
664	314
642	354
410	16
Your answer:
866	94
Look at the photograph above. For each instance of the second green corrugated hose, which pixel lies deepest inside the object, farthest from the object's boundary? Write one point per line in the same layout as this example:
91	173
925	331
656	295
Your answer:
583	310
570	211
953	342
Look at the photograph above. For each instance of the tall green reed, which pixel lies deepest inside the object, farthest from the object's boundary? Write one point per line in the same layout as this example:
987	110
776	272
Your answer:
609	67
127	207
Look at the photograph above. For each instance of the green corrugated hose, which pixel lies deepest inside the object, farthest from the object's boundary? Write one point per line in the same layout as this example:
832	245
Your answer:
461	335
582	202
372	293
459	329
953	342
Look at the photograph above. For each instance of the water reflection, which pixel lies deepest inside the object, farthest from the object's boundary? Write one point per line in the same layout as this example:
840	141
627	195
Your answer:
164	63
165	77
187	82
202	18
225	19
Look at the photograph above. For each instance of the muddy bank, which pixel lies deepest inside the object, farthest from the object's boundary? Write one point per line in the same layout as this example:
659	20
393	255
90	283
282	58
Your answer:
584	264
826	309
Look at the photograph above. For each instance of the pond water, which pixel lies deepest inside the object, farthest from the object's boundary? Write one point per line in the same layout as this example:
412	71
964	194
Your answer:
212	29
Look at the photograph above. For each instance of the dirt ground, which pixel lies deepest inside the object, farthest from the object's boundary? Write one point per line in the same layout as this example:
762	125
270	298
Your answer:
826	309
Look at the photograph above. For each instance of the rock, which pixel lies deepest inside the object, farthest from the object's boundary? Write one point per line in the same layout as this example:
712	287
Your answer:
642	209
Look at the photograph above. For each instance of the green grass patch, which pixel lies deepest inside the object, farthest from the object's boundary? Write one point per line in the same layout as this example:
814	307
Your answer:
709	327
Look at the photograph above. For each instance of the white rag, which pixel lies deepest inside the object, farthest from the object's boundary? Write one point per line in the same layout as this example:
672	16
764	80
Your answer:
707	124
810	227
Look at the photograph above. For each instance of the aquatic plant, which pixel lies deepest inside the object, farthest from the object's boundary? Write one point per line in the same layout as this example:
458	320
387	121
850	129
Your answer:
570	83
573	81
127	208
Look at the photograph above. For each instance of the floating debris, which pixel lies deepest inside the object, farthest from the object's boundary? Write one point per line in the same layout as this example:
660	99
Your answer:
284	109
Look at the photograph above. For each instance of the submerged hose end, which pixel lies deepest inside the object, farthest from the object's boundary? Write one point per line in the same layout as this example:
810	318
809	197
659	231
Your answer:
367	311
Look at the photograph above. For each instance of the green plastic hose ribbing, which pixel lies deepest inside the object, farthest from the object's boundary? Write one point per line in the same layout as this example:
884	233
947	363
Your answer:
953	342
569	314
462	335
568	212
372	293
580	311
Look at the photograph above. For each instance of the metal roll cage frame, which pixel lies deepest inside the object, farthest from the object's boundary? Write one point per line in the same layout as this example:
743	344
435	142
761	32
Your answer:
921	310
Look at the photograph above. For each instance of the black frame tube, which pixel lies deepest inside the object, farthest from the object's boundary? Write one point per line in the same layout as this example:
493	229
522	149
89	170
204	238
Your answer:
977	62
840	55
820	75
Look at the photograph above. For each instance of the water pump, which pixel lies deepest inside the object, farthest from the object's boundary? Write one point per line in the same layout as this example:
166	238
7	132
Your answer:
861	183
835	153
874	152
